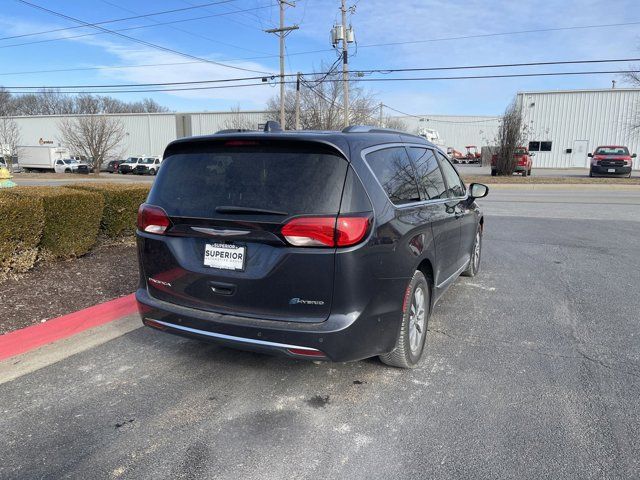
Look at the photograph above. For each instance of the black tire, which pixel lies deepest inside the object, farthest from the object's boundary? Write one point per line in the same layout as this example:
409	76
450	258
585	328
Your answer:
524	173
476	255
493	172
591	173
66	170
529	172
152	172
403	355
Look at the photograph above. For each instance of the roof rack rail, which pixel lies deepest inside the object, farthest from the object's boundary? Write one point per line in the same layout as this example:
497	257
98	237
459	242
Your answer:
371	129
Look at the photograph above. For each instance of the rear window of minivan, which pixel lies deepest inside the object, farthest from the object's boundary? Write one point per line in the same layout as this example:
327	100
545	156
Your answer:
293	179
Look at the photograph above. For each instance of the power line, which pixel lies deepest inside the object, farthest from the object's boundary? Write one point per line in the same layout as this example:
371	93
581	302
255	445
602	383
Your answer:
115	20
190	33
474	77
140	27
137	40
431	119
484	35
322	76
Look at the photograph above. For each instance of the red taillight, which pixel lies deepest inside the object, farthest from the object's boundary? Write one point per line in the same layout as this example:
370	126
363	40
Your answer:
152	219
325	231
350	230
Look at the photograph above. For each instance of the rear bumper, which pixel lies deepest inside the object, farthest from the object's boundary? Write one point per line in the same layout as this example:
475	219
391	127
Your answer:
342	337
604	170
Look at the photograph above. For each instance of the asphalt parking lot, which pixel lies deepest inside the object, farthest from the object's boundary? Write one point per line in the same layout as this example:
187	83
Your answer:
532	371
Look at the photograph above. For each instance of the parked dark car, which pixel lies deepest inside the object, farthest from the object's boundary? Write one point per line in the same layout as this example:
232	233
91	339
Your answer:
316	245
82	168
112	166
611	160
147	166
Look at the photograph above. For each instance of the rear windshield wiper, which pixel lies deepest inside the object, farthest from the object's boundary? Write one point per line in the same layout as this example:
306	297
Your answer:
248	210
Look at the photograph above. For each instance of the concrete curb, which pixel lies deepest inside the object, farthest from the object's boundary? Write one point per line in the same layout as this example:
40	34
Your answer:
35	336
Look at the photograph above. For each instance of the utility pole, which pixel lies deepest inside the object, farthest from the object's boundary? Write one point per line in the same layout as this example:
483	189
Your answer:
298	100
282	32
381	113
345	63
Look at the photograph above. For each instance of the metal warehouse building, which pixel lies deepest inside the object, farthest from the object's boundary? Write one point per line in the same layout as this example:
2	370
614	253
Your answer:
562	126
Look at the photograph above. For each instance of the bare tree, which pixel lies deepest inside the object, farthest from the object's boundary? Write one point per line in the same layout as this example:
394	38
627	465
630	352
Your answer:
7	106
634	79
394	123
96	137
321	103
511	135
237	121
9	139
52	102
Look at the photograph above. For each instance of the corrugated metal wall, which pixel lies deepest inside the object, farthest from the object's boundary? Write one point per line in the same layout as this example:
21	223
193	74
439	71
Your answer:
457	131
210	122
146	134
572	120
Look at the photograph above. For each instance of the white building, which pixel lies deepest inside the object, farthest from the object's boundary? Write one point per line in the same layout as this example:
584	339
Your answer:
562	126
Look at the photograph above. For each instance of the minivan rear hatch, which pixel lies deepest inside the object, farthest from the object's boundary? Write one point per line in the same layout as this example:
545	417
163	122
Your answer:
227	201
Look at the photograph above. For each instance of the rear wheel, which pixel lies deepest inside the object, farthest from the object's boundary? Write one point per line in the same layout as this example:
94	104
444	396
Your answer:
152	172
413	331
529	172
524	173
493	172
476	253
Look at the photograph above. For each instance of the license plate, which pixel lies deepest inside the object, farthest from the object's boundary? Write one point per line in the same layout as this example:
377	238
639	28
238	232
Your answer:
611	170
224	256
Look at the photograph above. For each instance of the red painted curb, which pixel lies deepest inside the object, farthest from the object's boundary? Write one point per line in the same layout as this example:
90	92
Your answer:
29	338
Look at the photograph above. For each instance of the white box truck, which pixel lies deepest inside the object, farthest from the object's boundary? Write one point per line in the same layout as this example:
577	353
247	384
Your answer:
40	157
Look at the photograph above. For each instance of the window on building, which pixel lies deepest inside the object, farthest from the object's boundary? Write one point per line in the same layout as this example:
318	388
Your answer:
428	172
394	171
537	146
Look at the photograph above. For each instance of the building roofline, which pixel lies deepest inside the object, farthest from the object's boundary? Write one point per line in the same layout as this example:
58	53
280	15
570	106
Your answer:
584	90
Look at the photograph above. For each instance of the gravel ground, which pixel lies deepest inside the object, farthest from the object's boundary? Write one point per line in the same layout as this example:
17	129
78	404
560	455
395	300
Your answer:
55	288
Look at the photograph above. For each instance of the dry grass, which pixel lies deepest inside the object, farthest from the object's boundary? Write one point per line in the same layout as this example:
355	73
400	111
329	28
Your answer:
518	179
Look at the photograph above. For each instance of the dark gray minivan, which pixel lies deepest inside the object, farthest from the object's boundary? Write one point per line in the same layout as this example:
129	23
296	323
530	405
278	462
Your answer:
312	244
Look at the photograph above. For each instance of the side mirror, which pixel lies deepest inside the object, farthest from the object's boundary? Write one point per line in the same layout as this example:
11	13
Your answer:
531	154
633	156
478	190
590	155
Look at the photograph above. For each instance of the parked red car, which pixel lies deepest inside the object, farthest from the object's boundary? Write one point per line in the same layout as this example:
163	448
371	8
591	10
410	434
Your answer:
523	162
611	160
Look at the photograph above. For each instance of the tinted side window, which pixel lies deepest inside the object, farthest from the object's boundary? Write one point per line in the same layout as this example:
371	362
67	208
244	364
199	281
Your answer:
455	187
428	172
395	173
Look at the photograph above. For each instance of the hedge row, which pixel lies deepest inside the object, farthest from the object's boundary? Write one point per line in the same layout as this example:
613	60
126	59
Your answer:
121	204
21	222
61	222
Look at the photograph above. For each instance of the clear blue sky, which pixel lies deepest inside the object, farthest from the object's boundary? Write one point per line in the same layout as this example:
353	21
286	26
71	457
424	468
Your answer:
238	39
